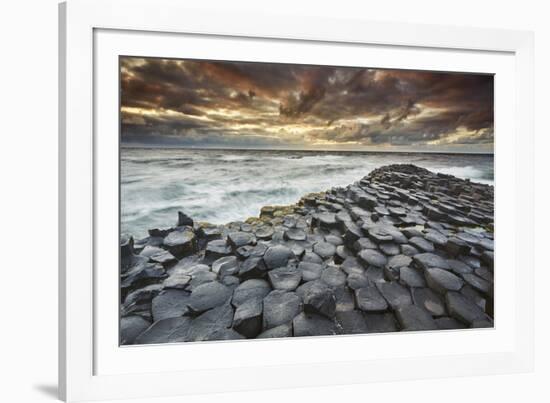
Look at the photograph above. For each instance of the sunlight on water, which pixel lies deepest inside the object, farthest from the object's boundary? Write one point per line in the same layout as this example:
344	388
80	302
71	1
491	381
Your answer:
219	186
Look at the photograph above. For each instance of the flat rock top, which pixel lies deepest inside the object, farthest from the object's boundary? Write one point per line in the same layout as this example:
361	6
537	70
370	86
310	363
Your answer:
277	256
208	295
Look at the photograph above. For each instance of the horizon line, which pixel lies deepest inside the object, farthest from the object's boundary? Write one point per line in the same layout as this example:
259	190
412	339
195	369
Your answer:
202	148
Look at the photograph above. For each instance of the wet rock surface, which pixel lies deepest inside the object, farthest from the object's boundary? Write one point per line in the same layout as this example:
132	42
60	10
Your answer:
403	249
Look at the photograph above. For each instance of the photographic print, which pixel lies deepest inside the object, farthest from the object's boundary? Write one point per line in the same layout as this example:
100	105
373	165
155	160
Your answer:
265	200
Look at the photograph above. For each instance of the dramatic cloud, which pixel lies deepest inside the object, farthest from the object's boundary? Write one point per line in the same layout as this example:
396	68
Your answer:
234	104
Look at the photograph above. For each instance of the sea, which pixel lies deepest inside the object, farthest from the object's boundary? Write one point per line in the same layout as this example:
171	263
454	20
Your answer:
220	186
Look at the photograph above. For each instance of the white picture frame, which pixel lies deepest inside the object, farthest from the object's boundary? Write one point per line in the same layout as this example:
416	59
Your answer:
91	364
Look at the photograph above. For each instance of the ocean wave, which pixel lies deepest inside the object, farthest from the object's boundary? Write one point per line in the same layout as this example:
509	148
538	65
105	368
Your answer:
233	185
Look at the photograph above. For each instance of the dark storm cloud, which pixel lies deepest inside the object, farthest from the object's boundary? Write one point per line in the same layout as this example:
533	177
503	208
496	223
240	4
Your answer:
275	104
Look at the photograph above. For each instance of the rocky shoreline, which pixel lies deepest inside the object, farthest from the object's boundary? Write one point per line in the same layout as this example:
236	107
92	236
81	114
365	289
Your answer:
403	249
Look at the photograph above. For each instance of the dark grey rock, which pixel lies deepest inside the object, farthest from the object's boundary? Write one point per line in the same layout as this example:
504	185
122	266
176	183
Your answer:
209	295
352	265
243	252
285	278
398	236
177	280
149	251
391	273
487	257
130	327
411	277
250	289
184	220
429	300
295	234
409	250
253	267
447	323
381	211
333	276
474	296
280	307
352	322
314	325
189	269
379	234
427	260
389	248
352	233
310	271
142	275
380	322
364	243
165	258
170	304
248	318
367	202
216	249
143	295
357	280
204	326
284	330
209	232
240	238
421	244
160	232
395	294
312	257
485	274
181	243
160	331
468	238
342	253
477	283
371	257
327	221
471	261
224	266
303	288
200	278
442	281
459	267
230	281
482	323
411	232
413	318
399	261
224	334
265	232
462	309
320	299
369	299
334	239
397	211
126	246
375	274
277	256
436	237
344	299
456	246
487	244
324	249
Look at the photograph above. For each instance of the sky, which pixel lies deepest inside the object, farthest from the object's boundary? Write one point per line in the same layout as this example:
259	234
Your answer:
219	104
